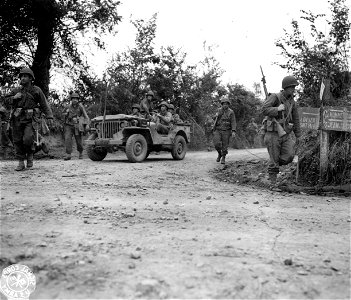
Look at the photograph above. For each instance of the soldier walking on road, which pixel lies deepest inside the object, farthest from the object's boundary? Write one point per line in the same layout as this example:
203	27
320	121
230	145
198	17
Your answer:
76	121
27	103
209	131
224	128
251	133
281	119
5	141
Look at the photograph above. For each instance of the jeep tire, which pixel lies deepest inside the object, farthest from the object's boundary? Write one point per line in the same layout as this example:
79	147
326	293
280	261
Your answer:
93	153
179	148
136	148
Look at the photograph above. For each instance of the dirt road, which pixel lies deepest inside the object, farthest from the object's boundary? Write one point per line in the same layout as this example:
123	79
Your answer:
168	229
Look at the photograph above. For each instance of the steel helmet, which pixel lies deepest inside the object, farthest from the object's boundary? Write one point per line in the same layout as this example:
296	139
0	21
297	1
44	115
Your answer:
164	103
27	71
74	95
150	93
289	81
170	106
136	106
224	100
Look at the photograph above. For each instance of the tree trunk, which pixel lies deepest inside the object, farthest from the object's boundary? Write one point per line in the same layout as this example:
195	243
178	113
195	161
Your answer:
45	13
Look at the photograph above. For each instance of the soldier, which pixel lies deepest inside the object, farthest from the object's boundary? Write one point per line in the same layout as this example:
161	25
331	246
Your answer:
76	121
163	119
281	119
252	130
136	110
209	131
147	104
224	128
27	103
176	118
5	141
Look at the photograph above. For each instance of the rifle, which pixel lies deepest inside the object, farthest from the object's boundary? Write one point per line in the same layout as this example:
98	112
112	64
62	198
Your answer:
264	83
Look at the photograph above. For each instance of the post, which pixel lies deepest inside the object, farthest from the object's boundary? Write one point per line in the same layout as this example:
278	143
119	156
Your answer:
323	158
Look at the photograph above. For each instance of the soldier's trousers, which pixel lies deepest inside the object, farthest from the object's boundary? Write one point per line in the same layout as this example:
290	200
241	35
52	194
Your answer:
69	133
23	137
163	129
4	138
221	140
280	150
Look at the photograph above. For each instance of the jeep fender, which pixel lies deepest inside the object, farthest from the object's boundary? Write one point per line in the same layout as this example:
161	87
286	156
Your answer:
128	131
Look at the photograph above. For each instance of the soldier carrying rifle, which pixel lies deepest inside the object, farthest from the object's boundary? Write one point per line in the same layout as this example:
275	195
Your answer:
281	119
27	104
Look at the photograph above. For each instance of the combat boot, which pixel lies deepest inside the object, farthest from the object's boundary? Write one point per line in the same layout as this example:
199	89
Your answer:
67	157
219	157
80	155
20	166
29	160
223	160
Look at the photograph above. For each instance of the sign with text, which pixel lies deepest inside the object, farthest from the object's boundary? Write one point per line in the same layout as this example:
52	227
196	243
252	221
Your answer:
309	118
337	118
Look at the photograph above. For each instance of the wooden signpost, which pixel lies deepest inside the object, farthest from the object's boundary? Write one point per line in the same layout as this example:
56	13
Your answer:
326	119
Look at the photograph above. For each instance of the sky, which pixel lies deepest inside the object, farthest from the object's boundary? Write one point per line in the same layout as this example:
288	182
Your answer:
242	33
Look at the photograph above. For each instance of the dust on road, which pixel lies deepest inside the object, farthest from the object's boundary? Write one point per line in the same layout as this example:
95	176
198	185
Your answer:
169	229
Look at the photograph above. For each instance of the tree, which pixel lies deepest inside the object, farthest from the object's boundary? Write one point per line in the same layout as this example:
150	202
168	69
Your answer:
326	57
44	33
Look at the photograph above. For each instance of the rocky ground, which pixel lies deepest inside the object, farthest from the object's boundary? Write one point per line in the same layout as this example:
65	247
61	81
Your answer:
171	229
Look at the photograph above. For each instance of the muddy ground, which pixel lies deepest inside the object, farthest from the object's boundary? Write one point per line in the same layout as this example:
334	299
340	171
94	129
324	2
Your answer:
170	229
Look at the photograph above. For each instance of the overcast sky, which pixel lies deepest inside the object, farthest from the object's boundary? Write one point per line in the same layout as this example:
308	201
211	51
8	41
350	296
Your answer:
243	32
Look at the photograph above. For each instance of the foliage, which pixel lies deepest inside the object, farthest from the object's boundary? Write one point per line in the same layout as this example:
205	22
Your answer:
43	34
326	57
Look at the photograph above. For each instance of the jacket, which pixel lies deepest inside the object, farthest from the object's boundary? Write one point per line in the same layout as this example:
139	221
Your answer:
270	111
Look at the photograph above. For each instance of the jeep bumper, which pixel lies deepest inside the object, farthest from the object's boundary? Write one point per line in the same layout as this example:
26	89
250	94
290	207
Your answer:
104	142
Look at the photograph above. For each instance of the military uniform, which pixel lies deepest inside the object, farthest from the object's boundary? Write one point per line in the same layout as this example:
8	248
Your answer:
25	118
252	130
280	146
147	105
136	111
175	117
164	121
209	131
5	141
76	119
224	128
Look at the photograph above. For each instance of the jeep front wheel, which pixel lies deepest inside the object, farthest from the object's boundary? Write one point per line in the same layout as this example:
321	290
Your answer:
136	148
179	148
95	154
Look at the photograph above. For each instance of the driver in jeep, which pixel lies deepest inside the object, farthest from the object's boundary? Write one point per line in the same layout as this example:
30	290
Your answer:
163	119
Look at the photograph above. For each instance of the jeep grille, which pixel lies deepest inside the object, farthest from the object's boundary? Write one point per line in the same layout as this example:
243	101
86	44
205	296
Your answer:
110	128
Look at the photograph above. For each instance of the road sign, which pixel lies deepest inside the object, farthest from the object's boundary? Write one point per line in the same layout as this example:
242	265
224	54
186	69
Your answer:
309	118
337	118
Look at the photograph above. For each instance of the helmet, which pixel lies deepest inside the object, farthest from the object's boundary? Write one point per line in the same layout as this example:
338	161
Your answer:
224	100
136	106
164	103
74	95
150	93
27	71
289	81
170	106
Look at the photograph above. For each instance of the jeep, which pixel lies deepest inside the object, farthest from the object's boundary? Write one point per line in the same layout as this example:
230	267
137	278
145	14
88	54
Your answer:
136	136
